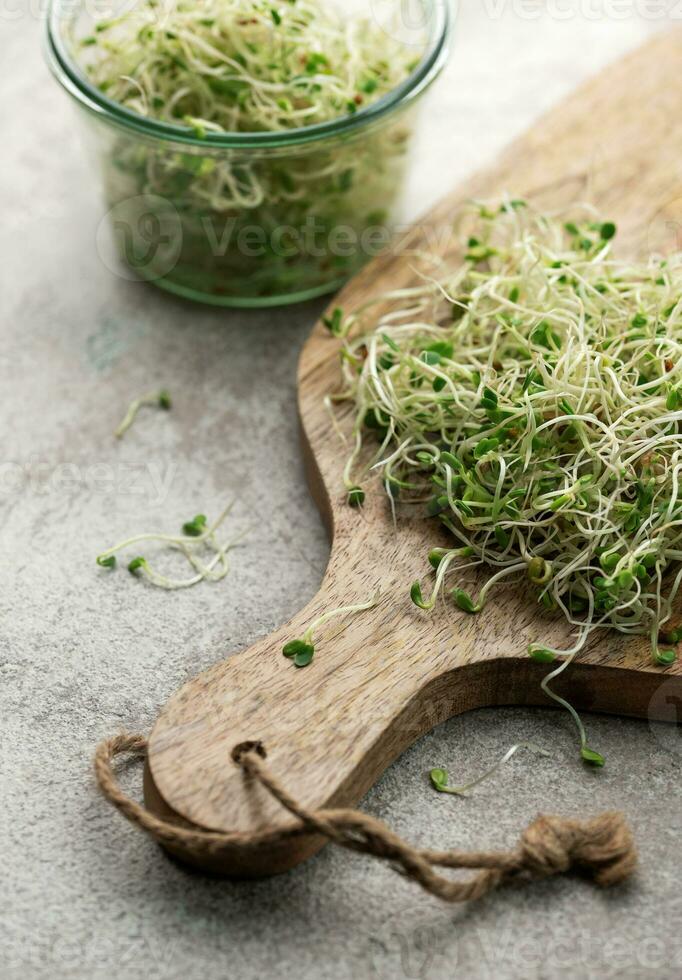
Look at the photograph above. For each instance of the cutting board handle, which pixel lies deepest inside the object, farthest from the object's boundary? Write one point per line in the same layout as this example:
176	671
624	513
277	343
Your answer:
602	847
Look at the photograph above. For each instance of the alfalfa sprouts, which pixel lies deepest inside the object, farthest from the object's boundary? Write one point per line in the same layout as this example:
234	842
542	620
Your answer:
531	400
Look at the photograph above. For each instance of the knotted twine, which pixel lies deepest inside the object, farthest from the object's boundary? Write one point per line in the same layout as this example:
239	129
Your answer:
602	848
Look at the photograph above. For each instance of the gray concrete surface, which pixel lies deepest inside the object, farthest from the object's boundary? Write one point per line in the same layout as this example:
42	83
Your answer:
84	654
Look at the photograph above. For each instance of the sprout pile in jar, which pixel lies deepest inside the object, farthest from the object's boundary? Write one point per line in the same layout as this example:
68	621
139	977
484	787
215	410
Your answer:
264	221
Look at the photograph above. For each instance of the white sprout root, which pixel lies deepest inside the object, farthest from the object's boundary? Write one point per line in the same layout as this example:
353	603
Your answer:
532	400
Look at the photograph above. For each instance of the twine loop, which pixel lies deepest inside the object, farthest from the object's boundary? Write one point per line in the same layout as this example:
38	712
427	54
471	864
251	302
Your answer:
602	848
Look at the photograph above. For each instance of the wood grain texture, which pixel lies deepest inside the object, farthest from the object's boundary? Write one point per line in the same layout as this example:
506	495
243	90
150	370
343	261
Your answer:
382	678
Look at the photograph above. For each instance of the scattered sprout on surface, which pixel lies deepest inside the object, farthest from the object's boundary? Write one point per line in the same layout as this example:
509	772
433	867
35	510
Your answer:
196	527
197	536
108	561
440	779
159	399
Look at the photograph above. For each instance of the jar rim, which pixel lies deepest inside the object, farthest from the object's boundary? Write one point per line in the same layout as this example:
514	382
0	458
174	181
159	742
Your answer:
90	97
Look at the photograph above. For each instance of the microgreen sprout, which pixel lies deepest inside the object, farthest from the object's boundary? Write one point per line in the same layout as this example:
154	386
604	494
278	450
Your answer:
197	536
159	399
299	651
544	655
440	779
551	446
302	651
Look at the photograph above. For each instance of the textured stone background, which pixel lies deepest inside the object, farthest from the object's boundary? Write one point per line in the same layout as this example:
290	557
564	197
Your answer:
84	654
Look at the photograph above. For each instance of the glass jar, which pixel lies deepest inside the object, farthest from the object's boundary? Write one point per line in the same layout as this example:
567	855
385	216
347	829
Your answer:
248	219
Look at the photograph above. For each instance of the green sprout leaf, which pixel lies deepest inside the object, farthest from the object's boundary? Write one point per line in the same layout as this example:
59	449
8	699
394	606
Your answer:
442	347
108	561
390	343
591	757
334	323
664	658
609	561
464	601
436	555
541	655
294	647
501	536
486	446
136	564
196	527
426	458
416	596
449	459
625	580
304	657
674	399
439	779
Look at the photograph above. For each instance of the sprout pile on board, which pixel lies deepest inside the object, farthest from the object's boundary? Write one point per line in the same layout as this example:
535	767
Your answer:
531	400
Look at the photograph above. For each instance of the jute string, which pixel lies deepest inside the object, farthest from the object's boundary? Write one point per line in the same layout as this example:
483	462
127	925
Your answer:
602	848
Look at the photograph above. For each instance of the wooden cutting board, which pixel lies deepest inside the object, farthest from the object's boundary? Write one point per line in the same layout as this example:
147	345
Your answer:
382	678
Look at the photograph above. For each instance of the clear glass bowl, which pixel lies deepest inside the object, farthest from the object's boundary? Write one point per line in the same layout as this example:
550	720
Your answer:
309	206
